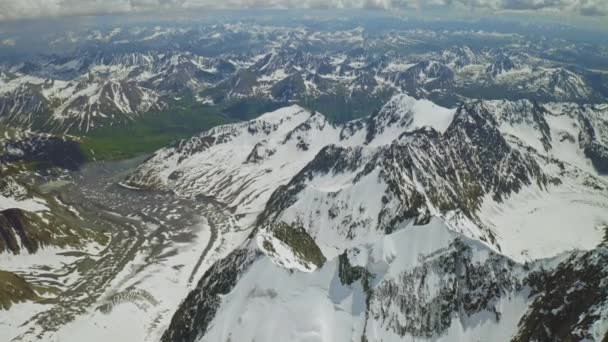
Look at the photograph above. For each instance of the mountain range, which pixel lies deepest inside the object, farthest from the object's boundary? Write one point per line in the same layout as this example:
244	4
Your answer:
358	71
308	178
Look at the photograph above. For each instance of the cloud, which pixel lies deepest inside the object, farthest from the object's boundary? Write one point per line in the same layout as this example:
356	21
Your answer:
9	42
18	9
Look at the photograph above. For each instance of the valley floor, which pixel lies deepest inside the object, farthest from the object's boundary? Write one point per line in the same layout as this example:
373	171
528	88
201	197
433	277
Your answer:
128	289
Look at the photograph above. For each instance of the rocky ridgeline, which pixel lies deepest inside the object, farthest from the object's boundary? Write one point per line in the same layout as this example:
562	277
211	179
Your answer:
381	177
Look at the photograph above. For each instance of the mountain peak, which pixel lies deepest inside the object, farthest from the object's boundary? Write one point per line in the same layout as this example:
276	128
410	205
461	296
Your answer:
283	113
418	112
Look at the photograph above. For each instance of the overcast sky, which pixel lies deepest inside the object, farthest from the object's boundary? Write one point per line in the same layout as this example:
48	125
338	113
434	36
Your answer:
18	9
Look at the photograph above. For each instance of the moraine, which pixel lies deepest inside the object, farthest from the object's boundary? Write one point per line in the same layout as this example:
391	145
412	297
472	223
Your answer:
159	243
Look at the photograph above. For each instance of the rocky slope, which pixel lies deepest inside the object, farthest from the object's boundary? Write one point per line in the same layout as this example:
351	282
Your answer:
14	289
30	220
420	283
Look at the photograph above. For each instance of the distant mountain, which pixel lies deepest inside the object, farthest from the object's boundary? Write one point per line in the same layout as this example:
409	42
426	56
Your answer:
93	87
109	91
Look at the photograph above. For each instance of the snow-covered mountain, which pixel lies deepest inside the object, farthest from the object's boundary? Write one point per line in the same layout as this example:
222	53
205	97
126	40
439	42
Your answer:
336	72
473	208
83	93
413	160
421	283
418	222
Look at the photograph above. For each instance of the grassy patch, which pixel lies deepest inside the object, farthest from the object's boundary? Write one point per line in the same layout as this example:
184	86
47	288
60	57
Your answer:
183	118
11	169
301	243
341	107
250	108
186	117
14	289
152	131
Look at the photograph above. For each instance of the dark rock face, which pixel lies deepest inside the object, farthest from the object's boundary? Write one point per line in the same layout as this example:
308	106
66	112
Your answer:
44	151
16	231
502	64
223	66
465	287
258	153
200	306
243	82
349	274
520	113
566	299
593	149
455	169
197	144
26	232
289	88
29	101
424	77
499	170
49	223
598	154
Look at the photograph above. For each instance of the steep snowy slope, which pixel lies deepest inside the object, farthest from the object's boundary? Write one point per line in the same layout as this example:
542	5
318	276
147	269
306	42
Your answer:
242	164
354	192
422	283
572	133
477	167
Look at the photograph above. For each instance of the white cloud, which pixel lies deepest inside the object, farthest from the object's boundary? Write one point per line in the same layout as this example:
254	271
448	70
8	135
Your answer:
8	42
17	9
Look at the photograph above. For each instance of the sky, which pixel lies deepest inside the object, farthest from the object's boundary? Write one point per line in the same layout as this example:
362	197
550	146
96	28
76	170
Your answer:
23	9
